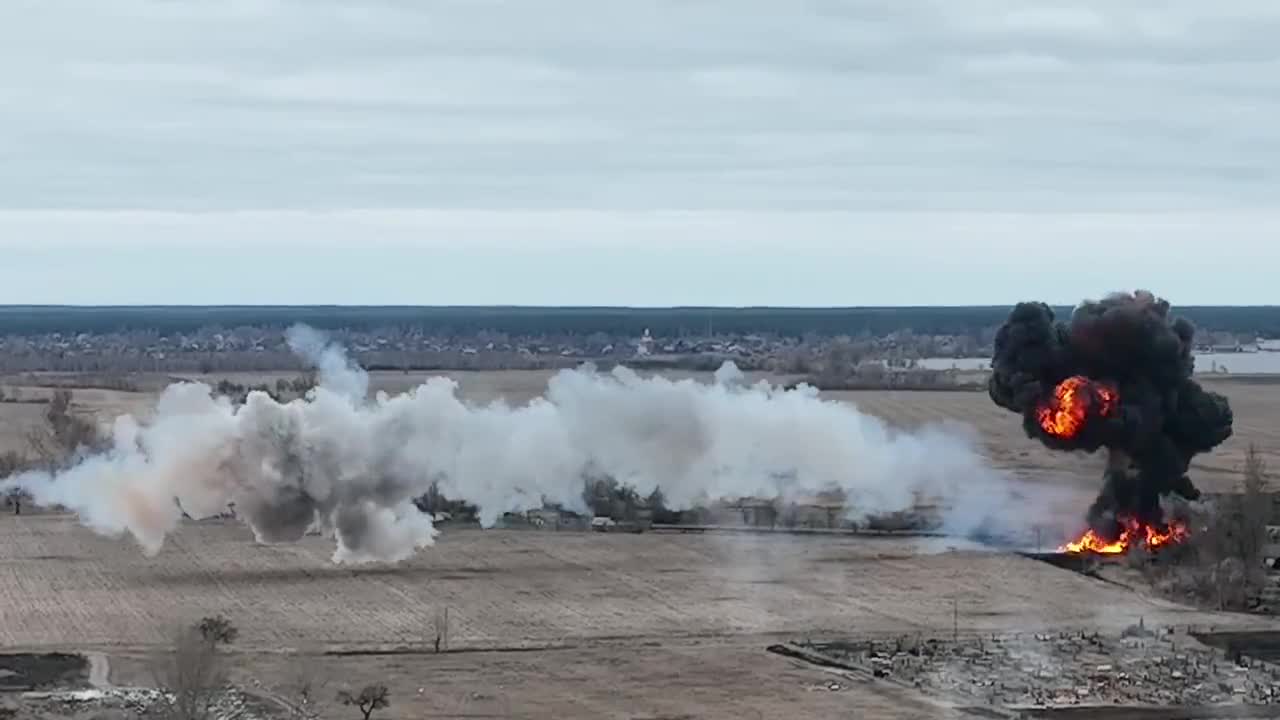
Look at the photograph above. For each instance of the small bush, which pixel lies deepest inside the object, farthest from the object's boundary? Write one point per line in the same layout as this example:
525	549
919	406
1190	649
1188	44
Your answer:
218	630
368	700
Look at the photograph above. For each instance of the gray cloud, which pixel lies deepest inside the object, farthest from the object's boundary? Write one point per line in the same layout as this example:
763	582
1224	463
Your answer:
986	104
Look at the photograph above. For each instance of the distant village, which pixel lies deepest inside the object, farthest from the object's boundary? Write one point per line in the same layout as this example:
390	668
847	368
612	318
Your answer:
259	348
240	349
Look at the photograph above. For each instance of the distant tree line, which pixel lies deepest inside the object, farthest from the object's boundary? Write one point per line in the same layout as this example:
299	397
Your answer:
283	390
601	496
534	321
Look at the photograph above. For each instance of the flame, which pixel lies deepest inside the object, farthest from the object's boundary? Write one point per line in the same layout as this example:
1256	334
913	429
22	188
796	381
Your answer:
1065	413
1134	533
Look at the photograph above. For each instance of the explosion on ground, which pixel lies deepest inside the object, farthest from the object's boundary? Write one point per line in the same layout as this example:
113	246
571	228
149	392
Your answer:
1117	377
615	614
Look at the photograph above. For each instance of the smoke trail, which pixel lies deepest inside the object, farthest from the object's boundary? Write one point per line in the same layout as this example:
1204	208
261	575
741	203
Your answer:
353	466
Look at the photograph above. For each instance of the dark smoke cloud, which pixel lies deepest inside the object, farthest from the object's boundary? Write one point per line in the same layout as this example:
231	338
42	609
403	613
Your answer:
1163	418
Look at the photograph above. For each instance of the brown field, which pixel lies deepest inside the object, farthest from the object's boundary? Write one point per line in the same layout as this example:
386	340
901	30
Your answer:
524	588
547	624
551	625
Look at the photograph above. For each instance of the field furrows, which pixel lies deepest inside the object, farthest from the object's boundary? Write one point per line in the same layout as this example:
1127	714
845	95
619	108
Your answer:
61	585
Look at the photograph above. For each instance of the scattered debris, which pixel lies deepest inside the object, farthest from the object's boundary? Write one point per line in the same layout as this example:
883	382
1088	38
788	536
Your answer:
1142	666
231	704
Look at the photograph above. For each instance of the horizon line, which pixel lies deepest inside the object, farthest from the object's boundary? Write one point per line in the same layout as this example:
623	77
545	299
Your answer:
510	306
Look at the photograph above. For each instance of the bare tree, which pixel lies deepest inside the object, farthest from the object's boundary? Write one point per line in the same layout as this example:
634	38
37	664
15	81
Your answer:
1255	512
218	630
305	688
11	462
369	700
872	373
1240	536
192	675
63	435
1222	562
838	363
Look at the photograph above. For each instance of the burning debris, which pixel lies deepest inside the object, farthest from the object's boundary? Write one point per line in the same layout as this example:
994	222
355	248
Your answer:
1134	533
1117	376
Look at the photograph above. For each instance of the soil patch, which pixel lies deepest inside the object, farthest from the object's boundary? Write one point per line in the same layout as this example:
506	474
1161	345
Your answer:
1262	645
24	672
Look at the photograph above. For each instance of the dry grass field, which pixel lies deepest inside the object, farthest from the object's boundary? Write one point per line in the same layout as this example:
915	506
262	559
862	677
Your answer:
546	624
510	589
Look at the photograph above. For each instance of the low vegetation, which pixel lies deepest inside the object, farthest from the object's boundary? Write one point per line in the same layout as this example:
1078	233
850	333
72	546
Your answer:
305	688
193	674
218	630
58	442
368	701
1222	564
64	436
282	391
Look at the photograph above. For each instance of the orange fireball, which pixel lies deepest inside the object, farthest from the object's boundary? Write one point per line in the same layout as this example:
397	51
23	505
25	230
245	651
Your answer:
1064	414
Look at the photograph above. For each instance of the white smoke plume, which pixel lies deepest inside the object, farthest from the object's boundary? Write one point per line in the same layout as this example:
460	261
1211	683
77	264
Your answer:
353	465
338	373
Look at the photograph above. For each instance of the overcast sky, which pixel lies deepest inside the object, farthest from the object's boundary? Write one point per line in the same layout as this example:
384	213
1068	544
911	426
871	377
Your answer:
641	152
